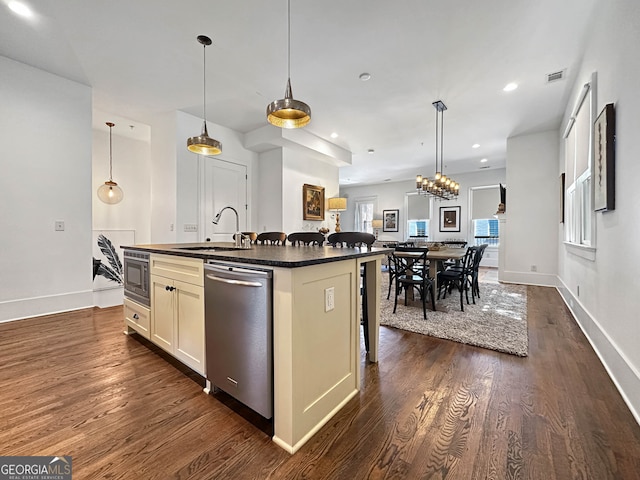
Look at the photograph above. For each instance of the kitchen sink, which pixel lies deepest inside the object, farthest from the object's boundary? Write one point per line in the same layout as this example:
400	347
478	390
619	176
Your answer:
212	248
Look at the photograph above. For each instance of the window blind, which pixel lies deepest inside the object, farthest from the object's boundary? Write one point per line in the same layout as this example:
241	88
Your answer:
418	207
485	202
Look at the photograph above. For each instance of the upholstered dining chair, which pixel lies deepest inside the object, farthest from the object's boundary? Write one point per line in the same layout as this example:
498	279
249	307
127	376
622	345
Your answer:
306	238
272	238
351	239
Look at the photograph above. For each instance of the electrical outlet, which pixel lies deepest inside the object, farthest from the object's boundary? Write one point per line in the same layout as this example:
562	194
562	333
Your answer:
59	226
534	268
171	227
329	299
190	227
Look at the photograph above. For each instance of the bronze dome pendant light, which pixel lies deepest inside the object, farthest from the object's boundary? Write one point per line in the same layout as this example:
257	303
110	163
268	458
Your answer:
203	144
287	112
110	192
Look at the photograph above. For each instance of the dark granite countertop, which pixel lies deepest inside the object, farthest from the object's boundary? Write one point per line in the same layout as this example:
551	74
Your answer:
287	256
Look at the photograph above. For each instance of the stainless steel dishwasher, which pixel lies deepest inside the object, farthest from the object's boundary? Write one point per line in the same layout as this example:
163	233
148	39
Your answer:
238	333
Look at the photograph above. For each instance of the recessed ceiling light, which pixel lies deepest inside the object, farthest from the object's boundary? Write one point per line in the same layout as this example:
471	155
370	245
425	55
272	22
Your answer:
364	76
370	151
484	160
334	135
475	145
20	8
510	87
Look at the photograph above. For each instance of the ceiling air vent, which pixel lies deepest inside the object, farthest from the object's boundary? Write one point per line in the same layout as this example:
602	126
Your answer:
555	76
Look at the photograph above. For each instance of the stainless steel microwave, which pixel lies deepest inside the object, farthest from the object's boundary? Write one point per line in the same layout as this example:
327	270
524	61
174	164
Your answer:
136	276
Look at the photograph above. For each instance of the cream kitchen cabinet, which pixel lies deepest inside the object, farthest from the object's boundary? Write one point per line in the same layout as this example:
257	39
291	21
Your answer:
177	308
137	317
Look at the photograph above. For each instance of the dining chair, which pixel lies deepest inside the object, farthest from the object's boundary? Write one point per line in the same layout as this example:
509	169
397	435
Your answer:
272	238
351	239
413	273
459	277
306	238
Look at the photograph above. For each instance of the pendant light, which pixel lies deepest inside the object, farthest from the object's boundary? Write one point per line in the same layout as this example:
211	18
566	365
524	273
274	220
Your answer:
440	187
287	112
203	144
110	192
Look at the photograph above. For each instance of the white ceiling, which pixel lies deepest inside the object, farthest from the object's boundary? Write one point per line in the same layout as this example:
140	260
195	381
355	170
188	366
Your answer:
141	57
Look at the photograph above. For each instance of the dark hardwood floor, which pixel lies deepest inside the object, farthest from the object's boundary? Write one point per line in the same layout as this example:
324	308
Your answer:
73	384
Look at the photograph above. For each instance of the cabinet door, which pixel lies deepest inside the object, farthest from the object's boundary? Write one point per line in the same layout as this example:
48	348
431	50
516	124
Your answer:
189	325
162	312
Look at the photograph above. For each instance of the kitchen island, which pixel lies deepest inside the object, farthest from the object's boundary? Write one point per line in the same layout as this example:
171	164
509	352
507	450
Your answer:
316	351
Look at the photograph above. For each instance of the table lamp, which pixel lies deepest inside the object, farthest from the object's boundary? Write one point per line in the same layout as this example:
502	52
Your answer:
337	205
377	225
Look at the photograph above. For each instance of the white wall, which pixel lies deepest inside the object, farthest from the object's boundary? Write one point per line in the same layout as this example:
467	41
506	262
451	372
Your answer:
131	171
45	147
607	305
532	209
188	170
391	196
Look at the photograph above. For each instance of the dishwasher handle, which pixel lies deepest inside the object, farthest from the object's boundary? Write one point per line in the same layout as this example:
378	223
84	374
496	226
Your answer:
243	283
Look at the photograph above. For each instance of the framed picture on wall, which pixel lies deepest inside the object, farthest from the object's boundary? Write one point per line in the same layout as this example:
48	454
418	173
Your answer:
312	202
449	219
390	220
604	160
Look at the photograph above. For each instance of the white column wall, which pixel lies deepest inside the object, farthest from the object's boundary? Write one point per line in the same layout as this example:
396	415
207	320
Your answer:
532	209
603	293
44	181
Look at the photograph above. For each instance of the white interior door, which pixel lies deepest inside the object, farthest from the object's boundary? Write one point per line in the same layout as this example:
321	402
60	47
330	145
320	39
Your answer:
225	184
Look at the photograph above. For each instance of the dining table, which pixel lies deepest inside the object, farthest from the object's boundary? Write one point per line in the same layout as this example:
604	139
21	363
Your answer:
434	256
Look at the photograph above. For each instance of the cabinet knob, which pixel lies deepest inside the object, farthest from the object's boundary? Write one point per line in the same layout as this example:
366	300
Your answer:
135	316
169	288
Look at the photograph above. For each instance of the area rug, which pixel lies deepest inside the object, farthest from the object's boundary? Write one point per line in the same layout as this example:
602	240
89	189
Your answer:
498	320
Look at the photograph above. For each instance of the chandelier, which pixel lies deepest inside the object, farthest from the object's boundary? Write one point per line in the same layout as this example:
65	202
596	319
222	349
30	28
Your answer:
440	186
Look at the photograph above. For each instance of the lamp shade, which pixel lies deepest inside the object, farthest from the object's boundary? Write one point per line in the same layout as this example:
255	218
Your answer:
376	223
337	204
109	192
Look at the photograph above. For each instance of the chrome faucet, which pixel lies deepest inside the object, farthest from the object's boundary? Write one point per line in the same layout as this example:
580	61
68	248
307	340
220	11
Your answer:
238	236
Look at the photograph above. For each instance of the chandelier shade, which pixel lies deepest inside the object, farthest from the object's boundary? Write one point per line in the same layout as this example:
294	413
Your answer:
439	186
288	112
203	144
110	192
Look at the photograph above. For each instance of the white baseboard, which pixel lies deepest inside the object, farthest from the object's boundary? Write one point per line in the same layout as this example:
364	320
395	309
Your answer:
528	278
108	297
45	305
623	374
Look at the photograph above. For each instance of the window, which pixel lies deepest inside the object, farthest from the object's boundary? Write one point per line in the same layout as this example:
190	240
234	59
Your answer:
418	214
484	203
579	225
486	230
364	214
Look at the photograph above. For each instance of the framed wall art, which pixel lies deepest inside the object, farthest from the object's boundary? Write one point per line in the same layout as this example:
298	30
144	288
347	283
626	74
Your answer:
449	219
604	160
390	220
312	202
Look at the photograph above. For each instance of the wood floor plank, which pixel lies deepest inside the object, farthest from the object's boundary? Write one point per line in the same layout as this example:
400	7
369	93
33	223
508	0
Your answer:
74	384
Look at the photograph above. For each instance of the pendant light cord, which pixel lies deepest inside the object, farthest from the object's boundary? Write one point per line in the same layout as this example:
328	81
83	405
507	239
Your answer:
204	83
288	39
442	142
110	157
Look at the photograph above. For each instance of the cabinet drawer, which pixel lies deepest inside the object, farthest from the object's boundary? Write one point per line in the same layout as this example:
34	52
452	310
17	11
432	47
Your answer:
185	269
137	317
